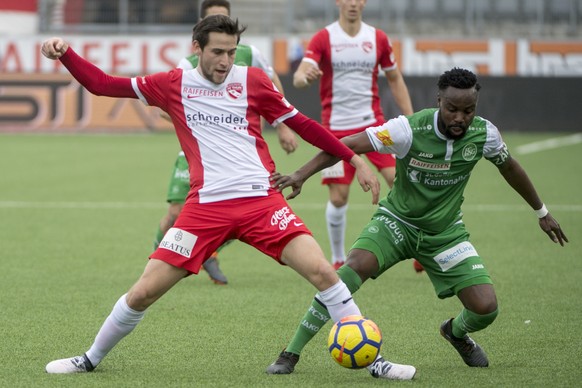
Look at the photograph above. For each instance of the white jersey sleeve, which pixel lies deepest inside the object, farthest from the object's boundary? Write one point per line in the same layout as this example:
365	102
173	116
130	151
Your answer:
494	144
392	137
261	62
494	149
184	64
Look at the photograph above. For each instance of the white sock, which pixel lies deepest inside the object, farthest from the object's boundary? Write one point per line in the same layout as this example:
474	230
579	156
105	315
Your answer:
122	320
339	301
336	230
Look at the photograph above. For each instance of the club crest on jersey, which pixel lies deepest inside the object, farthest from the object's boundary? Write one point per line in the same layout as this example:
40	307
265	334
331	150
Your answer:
367	46
469	152
234	90
384	137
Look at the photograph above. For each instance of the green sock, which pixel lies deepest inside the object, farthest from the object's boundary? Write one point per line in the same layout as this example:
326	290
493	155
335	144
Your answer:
159	237
317	315
469	322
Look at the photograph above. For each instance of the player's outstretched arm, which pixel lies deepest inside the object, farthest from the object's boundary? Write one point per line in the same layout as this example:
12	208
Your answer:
518	179
366	178
88	75
359	143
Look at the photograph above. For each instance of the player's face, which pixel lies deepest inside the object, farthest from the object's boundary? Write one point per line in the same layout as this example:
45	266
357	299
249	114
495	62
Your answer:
351	10
217	58
456	111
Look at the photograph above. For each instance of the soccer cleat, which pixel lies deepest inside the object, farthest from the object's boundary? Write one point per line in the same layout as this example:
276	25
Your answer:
338	264
79	364
470	352
387	370
213	270
417	266
284	365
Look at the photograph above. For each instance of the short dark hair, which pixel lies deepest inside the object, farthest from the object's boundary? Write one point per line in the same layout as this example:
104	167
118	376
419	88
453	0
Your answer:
458	78
216	23
213	3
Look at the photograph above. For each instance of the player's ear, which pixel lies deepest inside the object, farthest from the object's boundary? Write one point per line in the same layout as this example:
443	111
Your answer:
196	49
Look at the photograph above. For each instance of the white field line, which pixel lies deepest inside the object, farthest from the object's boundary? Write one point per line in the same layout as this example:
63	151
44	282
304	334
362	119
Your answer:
544	145
297	206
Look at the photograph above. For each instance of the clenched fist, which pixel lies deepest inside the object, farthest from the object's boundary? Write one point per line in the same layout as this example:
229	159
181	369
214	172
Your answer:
54	48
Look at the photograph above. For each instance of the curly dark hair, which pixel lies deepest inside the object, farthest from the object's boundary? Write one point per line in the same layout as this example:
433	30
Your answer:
216	23
458	78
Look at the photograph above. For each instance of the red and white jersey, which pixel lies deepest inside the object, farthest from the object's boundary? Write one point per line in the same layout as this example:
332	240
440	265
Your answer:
349	84
219	129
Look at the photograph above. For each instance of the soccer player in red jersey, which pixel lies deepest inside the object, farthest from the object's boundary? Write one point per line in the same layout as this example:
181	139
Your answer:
216	110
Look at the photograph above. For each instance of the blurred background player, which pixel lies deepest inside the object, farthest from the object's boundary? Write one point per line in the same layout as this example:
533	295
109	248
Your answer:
246	55
346	55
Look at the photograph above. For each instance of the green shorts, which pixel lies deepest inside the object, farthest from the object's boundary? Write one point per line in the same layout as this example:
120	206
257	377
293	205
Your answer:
449	259
180	181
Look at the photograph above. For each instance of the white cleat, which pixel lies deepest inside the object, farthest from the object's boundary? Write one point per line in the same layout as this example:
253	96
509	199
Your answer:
79	364
387	370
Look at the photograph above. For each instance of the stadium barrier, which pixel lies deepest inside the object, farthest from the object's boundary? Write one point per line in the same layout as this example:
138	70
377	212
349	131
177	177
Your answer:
527	84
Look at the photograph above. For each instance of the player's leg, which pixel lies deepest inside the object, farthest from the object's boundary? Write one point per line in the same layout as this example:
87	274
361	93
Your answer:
455	268
305	256
480	310
336	220
338	179
167	221
176	196
361	264
157	278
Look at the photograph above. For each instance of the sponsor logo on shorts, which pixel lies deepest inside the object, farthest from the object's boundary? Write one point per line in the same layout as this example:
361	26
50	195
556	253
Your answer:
478	266
455	255
393	227
282	217
179	241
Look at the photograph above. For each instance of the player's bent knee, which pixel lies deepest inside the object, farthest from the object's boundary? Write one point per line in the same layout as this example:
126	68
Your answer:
139	299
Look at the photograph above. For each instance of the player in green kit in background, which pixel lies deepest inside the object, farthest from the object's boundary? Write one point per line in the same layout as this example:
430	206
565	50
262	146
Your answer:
179	186
436	150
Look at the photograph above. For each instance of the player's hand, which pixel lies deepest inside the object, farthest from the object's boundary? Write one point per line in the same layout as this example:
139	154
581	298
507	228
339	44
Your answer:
280	182
312	74
54	48
367	179
287	138
551	227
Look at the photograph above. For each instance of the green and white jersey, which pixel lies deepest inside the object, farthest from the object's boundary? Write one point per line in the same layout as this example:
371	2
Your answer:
245	56
432	171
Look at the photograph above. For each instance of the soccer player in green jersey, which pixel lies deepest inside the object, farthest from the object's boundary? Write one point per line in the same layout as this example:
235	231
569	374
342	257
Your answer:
179	186
436	150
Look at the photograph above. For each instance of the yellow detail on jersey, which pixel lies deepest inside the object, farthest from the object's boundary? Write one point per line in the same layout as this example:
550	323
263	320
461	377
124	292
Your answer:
384	137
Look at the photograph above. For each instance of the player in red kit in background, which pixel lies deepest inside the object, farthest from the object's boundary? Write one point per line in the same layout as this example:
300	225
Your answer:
345	57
